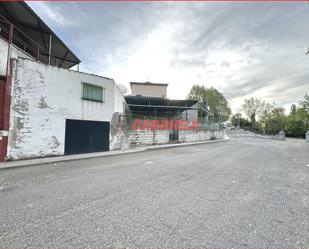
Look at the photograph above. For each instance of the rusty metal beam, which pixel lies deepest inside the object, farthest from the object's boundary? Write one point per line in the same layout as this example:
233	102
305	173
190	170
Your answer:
10	41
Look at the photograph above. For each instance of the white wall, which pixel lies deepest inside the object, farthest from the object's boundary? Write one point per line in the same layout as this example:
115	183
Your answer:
119	101
148	137
16	52
152	137
43	97
200	135
149	89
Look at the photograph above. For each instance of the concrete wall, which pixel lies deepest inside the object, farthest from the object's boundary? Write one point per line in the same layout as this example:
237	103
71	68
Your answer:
43	97
119	101
16	53
192	136
151	137
148	89
136	138
148	137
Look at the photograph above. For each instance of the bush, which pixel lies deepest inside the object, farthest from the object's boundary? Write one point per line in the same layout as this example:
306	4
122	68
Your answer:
295	126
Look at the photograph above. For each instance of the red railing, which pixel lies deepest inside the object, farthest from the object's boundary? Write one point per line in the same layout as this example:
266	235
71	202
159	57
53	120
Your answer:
25	43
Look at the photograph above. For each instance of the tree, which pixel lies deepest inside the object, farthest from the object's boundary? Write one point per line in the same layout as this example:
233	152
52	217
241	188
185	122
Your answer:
293	109
253	107
123	89
295	126
211	97
305	102
274	119
238	120
297	122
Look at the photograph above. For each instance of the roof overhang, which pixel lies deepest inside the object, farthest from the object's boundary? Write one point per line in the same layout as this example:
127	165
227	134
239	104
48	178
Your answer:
27	21
144	104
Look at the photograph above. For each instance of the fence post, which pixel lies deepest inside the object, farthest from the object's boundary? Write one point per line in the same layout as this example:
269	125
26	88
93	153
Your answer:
307	136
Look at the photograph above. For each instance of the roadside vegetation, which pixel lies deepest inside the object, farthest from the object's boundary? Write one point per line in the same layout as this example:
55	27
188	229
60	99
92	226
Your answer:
268	118
211	100
260	116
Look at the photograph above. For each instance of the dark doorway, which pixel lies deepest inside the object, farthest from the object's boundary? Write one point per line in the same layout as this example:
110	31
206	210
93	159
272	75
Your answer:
83	136
174	136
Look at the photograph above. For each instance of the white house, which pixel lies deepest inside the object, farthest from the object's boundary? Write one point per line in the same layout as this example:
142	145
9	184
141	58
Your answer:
46	108
44	98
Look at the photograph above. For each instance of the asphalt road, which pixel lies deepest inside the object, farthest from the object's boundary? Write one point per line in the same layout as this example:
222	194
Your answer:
248	192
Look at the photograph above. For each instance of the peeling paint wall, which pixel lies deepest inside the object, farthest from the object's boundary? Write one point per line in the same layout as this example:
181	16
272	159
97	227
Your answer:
119	101
43	97
120	141
148	137
200	135
151	137
16	52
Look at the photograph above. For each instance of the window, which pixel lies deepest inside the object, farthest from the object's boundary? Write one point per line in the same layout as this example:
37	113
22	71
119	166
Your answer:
92	92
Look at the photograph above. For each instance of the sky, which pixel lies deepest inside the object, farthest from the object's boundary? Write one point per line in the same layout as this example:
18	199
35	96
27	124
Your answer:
242	49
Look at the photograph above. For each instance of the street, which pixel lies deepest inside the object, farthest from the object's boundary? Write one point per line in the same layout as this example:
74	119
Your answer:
247	192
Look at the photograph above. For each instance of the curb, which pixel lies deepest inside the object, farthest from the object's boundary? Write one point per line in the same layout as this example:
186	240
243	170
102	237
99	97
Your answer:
269	137
185	144
52	160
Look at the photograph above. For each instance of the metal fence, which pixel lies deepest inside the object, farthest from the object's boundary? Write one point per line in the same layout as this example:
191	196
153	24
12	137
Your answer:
25	43
188	121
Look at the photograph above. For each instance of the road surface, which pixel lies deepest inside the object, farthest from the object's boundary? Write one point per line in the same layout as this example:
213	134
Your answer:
247	192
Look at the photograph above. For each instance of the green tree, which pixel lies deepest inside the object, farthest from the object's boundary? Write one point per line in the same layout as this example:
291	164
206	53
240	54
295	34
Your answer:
305	103
237	119
212	98
293	109
253	107
295	126
297	122
274	119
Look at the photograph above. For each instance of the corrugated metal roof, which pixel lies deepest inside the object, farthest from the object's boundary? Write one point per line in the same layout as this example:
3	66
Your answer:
26	20
157	101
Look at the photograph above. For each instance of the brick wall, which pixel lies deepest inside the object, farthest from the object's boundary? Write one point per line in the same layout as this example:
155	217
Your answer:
148	137
195	135
151	137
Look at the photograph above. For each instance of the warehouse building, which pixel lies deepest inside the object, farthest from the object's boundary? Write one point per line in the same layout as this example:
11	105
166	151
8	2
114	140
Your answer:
46	108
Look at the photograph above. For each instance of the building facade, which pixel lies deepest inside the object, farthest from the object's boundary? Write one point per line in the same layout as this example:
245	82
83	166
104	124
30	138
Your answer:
149	89
47	109
44	98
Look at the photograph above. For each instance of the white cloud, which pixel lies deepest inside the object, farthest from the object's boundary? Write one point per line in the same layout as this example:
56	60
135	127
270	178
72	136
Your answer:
242	49
53	14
